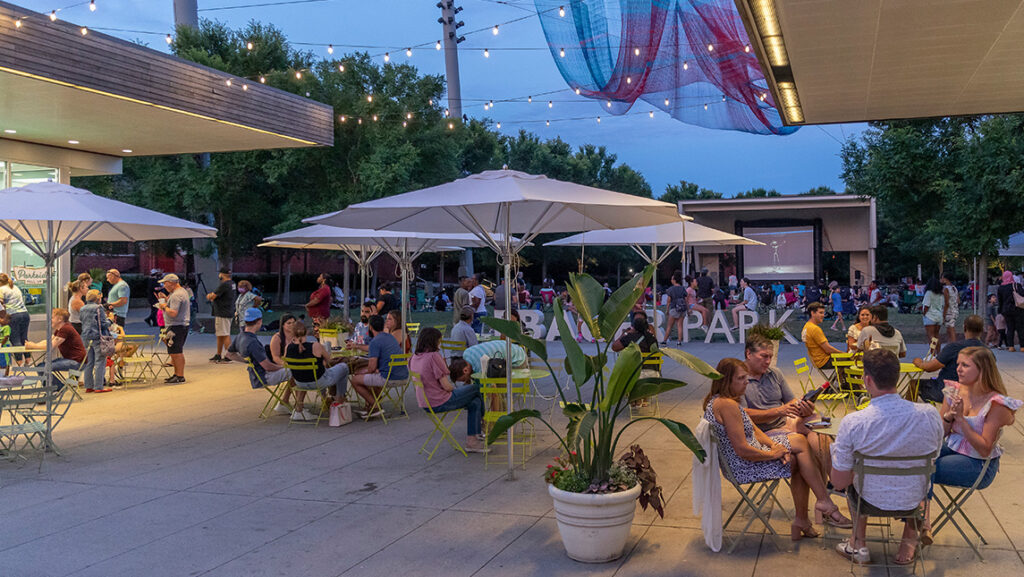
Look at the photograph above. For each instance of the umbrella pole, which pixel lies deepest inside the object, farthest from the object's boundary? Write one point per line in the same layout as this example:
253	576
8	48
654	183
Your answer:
654	291
507	258
50	252
405	265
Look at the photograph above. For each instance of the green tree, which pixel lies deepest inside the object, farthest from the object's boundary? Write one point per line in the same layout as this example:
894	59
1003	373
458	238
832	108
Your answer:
818	191
758	193
687	191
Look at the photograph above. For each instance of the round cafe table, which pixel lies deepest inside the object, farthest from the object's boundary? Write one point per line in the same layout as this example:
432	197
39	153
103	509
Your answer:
519	374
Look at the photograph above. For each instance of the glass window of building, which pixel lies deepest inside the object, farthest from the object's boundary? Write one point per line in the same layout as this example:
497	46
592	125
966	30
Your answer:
22	174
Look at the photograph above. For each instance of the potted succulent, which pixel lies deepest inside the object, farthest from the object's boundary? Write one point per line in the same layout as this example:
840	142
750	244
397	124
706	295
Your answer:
773	334
594	493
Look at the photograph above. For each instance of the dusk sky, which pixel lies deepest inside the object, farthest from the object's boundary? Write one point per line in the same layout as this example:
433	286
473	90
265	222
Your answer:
662	149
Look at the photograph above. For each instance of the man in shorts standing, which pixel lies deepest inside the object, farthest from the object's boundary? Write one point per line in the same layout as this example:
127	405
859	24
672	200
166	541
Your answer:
706	289
177	316
222	300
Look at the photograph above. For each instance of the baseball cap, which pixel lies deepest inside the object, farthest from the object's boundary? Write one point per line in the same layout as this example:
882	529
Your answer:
170	278
154	270
252	315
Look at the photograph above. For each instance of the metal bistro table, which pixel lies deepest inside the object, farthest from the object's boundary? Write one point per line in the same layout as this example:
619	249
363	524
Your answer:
910	379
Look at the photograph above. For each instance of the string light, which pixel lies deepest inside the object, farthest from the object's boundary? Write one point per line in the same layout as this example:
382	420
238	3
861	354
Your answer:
17	24
53	16
84	31
636	52
609	104
343	119
705	106
245	87
92	5
491	103
529	99
248	46
711	47
228	82
451	126
341	68
298	75
408	52
375	117
746	48
430	102
686	65
438	45
369	98
651	113
359	121
547	123
577	91
494	30
763	96
263	79
561	11
666	102
169	39
404	124
561	52
408	116
446	113
723	98
499	126
551	104
599	120
629	80
330	49
487	53
387	57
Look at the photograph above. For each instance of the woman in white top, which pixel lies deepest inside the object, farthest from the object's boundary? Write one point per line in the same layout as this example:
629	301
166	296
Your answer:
12	301
78	290
932	306
863	321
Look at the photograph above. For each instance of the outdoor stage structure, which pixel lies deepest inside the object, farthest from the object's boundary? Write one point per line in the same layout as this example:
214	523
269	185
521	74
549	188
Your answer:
805	238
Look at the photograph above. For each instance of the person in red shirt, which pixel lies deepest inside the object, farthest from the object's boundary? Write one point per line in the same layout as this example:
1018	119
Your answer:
65	339
319	306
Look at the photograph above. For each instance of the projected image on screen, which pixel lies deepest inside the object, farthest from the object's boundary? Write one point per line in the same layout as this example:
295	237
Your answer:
788	253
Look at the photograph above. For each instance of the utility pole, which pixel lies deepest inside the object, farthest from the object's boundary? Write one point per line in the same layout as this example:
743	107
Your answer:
451	41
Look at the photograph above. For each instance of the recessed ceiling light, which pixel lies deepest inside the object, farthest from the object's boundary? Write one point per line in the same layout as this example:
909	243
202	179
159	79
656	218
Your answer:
72	142
10	131
126	150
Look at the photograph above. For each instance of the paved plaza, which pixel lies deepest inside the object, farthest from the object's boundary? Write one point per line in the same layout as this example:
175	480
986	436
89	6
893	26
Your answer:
186	480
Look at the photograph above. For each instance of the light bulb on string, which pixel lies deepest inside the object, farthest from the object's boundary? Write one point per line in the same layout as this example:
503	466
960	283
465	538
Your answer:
629	80
245	87
341	68
599	120
487	53
529	99
746	48
359	121
53	16
408	52
499	126
438	45
263	79
651	114
686	65
446	113
84	30
723	98
451	126
228	83
375	118
369	98
408	116
491	103
609	104
298	75
387	57
636	52
404	124
561	11
248	46
17	24
330	49
547	123
711	47
494	30
92	5
577	91
342	118
666	102
561	52
430	102
705	106
551	104
169	39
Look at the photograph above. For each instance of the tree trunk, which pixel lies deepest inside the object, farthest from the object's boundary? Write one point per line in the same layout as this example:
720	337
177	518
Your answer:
982	288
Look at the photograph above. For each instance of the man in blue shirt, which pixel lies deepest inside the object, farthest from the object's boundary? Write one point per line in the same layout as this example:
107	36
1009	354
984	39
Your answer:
378	372
247	346
118	297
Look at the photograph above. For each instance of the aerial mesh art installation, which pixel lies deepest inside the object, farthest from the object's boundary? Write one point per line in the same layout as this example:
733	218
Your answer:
690	58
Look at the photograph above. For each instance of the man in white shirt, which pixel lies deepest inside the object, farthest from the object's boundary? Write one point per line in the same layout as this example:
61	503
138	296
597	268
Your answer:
478	300
880	334
889	427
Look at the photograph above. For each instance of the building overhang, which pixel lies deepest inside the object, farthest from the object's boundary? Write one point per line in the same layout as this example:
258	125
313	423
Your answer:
99	94
834	61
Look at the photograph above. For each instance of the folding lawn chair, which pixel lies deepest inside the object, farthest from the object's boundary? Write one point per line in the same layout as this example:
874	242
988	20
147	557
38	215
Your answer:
524	432
134	362
952	505
442	423
26	426
276	392
756	497
830	400
649	406
451	349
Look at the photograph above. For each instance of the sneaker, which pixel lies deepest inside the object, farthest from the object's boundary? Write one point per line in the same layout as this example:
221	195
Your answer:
174	380
860	556
477	449
103	390
216	359
303	415
282	409
90	390
377	413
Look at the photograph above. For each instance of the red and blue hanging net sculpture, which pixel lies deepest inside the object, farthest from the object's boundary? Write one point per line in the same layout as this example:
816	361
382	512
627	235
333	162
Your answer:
690	58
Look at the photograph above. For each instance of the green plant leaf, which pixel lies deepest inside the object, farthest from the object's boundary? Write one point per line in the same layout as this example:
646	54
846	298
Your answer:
623	377
682	432
587	295
615	310
574	410
578	365
692	362
514	332
587	424
653	386
505	422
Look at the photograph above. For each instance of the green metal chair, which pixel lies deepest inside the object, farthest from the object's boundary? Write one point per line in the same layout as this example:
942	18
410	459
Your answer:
308	365
442	423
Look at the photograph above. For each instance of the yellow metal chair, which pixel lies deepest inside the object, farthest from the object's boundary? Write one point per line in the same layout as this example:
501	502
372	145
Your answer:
320	395
524	434
859	397
648	407
840	363
451	349
135	361
830	400
412	329
442	423
394	389
276	392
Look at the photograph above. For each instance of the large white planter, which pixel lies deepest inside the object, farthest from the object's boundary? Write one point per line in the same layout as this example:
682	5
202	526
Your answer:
594	528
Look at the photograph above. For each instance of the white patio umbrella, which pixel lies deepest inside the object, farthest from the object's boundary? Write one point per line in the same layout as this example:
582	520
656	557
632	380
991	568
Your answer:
1015	247
365	245
505	202
50	218
672	235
